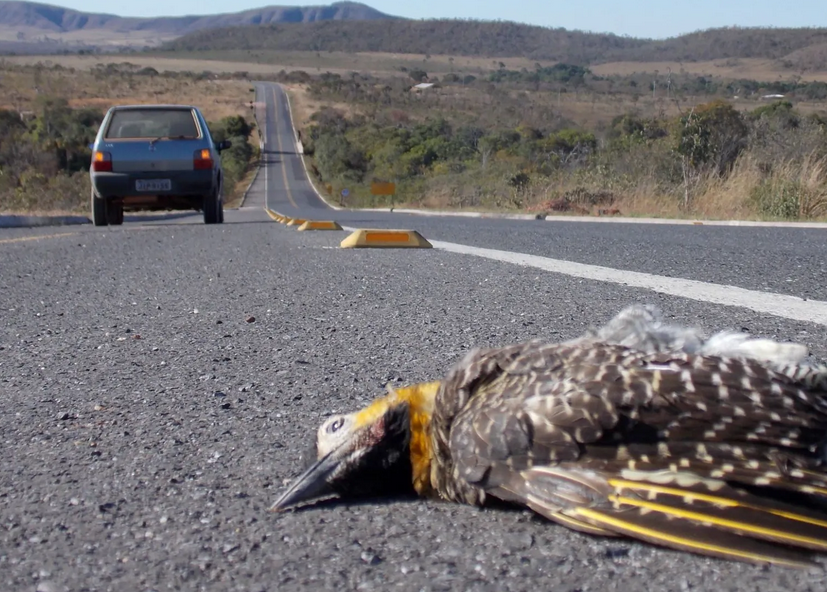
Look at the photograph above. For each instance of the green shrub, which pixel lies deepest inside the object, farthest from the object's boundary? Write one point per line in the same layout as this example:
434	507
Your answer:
779	198
236	160
711	136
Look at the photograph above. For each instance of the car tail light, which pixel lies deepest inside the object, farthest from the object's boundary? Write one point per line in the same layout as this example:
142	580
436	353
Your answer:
101	161
202	159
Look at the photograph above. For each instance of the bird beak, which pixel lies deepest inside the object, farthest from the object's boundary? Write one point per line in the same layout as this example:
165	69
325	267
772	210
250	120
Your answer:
373	457
312	484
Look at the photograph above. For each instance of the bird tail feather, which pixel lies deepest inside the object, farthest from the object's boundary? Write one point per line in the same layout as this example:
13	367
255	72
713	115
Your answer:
685	511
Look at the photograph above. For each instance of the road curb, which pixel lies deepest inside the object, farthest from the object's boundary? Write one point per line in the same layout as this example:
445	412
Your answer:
253	180
450	213
258	164
599	219
17	221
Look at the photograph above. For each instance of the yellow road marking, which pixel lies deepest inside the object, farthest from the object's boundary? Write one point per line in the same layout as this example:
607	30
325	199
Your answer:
320	225
385	238
38	237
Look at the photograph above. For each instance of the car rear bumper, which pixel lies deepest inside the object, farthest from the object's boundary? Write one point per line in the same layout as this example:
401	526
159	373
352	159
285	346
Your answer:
182	184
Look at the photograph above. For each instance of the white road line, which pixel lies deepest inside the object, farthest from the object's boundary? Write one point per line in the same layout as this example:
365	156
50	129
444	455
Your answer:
780	305
790	307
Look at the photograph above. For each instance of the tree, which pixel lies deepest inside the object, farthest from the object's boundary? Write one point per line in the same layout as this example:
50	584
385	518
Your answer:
712	136
65	131
418	75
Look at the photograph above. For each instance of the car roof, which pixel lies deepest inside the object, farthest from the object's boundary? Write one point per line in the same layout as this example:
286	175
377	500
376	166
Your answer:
154	106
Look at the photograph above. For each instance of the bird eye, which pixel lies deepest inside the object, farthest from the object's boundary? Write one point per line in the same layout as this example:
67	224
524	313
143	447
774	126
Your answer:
335	425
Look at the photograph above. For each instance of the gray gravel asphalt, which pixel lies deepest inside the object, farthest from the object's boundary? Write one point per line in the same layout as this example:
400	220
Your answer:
782	260
148	425
163	380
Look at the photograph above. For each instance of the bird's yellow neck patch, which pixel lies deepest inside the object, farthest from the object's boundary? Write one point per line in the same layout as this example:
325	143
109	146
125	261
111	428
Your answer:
420	400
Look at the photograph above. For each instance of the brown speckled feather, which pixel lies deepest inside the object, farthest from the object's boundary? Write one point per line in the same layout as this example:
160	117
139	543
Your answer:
612	440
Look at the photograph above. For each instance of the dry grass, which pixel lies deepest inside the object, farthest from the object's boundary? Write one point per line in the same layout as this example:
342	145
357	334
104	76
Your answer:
216	98
162	64
446	63
792	189
748	68
591	110
796	186
103	37
379	63
586	108
272	62
387	64
304	106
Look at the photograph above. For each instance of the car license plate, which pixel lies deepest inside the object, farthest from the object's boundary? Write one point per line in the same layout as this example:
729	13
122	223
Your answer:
153	185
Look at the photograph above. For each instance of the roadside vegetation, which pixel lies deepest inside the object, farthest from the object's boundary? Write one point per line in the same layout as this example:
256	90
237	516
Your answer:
682	147
721	123
547	138
49	116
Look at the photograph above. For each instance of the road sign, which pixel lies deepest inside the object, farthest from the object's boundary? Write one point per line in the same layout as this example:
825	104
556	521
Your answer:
383	188
345	192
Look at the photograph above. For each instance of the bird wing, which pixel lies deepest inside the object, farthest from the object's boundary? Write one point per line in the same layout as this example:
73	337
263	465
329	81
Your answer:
684	451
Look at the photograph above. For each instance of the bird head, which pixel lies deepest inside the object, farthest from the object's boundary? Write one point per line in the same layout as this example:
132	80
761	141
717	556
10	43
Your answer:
381	449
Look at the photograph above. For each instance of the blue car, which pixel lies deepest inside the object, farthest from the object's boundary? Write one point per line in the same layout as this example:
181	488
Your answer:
155	157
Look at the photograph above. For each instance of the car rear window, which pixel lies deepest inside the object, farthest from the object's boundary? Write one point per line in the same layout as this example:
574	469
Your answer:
152	123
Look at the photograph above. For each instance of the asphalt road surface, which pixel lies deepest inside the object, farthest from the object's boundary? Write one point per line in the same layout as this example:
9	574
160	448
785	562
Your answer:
162	380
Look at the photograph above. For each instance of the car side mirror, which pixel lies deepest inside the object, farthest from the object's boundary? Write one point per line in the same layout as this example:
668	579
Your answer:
224	144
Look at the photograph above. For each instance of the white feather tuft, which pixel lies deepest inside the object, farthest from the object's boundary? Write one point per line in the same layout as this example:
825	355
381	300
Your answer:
641	327
733	345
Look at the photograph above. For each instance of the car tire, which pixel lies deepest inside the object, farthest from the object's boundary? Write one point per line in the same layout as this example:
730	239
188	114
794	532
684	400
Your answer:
114	213
99	217
212	209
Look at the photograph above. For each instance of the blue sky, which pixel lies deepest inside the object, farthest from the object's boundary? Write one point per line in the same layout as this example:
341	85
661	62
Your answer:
638	18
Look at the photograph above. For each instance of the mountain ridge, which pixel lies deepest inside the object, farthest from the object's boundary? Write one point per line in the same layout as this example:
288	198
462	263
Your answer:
37	28
499	39
36	24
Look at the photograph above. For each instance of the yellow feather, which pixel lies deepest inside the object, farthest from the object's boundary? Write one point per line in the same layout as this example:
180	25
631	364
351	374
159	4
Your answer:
707	519
616	522
621	484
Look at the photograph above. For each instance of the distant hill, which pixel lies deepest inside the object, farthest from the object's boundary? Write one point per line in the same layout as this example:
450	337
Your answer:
438	37
28	27
24	24
805	47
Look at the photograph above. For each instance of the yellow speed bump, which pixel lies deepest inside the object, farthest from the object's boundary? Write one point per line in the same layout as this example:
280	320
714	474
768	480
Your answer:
276	216
320	225
295	221
381	238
